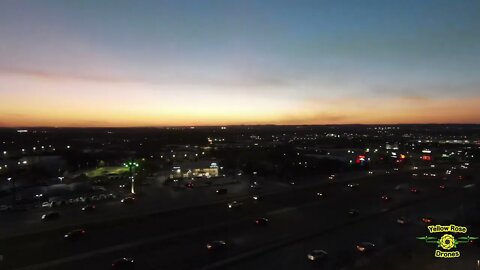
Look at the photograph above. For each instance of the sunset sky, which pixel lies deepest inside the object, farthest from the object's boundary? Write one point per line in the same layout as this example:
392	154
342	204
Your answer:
163	63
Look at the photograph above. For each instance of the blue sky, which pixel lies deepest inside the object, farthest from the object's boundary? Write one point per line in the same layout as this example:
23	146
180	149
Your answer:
287	53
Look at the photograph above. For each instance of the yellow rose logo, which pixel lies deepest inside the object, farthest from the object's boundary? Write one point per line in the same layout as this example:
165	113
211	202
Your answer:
447	241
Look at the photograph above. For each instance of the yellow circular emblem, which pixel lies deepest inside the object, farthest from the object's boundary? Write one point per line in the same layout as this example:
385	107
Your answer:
447	241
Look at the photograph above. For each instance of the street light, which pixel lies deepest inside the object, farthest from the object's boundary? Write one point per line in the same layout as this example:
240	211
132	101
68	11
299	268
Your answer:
131	165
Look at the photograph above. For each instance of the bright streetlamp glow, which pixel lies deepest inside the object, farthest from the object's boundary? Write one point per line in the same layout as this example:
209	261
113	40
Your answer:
131	165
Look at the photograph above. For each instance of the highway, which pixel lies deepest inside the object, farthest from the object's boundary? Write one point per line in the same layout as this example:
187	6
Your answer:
177	239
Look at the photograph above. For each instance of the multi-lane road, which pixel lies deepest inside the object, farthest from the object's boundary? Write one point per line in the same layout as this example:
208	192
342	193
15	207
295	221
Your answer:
299	221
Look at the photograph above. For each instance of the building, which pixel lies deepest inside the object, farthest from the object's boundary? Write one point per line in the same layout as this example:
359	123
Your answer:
198	169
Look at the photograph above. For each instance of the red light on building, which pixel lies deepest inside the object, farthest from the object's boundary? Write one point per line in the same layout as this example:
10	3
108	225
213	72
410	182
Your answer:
427	158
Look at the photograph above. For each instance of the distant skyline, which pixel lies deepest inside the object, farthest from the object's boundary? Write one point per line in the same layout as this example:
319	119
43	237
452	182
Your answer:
118	63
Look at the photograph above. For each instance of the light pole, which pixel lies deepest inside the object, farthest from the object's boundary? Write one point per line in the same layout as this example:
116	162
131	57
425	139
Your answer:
131	165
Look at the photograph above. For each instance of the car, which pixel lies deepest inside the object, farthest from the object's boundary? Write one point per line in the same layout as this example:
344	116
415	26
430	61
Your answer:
189	185
255	185
401	187
386	198
427	220
414	190
128	200
88	208
71	201
321	194
261	221
370	172
4	208
353	185
256	198
469	186
47	204
217	245
235	204
75	234
332	177
365	247
222	191
403	220
50	216
317	255
123	264
353	212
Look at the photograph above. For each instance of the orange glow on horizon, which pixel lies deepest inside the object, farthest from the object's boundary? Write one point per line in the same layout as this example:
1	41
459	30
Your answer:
40	100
